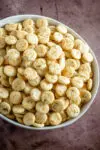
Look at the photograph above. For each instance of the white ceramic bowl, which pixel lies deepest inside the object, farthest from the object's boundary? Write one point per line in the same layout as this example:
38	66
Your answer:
18	18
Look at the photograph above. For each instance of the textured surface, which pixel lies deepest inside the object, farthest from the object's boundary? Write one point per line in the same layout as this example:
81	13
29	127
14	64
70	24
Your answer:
84	17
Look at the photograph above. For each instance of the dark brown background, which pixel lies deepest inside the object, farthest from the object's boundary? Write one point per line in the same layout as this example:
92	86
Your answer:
84	17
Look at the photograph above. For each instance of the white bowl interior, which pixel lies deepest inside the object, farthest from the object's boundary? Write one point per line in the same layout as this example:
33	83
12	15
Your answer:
18	18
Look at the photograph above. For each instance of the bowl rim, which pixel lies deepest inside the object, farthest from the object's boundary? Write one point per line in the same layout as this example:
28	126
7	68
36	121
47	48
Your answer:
17	18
